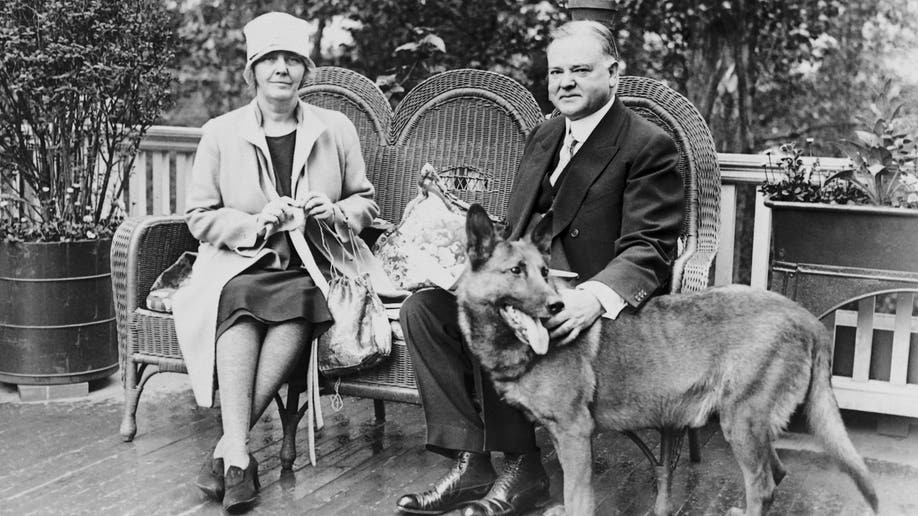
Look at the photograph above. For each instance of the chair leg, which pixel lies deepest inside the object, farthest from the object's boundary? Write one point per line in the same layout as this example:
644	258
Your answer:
131	400
379	407
290	418
694	445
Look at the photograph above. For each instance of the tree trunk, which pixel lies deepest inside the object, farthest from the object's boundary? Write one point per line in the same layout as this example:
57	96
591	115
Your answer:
316	52
741	58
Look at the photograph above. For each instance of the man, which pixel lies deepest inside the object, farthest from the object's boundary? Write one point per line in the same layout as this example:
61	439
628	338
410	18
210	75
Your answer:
606	181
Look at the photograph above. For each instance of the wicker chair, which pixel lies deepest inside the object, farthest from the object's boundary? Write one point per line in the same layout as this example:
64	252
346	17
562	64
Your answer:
470	124
701	218
437	112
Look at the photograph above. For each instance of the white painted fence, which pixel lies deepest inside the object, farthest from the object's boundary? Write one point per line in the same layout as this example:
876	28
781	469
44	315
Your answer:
158	182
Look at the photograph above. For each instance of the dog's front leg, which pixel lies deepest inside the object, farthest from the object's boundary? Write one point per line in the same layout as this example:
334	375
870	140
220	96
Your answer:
574	447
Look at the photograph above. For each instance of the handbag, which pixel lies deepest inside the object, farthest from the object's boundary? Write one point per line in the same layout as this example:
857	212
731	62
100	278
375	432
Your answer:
427	247
360	336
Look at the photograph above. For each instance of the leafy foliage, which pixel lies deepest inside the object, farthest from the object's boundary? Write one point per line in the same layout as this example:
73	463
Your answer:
760	72
884	162
770	70
81	81
799	179
883	168
397	43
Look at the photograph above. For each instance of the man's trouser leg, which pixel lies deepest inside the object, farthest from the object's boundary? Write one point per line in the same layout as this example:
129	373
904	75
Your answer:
446	377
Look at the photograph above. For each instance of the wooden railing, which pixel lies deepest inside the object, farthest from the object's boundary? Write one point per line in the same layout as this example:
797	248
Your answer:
157	185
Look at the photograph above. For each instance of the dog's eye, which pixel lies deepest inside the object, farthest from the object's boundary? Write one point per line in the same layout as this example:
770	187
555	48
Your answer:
516	269
544	272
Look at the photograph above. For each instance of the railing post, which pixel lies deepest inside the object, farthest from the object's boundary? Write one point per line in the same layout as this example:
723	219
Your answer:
761	243
723	268
137	186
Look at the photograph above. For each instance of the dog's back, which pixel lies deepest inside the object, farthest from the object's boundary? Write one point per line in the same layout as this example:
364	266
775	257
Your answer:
675	362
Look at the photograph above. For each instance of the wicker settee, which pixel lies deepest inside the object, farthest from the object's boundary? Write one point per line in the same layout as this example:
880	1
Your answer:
469	122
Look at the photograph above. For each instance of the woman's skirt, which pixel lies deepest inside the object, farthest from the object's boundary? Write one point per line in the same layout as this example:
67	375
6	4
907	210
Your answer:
271	297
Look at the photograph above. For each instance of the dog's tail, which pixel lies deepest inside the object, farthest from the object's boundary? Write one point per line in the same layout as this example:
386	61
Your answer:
826	423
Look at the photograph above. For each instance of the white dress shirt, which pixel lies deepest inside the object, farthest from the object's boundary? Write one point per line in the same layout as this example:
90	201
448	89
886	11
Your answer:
579	130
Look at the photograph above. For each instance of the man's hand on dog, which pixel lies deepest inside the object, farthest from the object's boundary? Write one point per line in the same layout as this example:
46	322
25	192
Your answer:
581	309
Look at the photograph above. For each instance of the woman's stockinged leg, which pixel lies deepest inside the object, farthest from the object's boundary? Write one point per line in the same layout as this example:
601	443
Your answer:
280	350
283	345
237	362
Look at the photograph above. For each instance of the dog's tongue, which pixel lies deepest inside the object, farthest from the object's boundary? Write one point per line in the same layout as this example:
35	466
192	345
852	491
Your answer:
526	329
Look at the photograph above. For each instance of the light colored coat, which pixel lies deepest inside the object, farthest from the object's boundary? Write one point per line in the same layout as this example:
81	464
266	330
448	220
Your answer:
232	180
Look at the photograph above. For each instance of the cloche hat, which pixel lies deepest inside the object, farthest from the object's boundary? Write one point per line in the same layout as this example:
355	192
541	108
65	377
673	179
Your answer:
275	31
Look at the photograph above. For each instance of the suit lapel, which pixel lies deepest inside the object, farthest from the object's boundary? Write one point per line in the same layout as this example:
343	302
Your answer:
533	168
589	162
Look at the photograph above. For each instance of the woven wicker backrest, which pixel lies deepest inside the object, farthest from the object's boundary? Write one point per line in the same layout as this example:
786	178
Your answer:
470	124
700	174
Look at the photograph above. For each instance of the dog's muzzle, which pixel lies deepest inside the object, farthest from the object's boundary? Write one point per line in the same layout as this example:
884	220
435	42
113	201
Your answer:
526	328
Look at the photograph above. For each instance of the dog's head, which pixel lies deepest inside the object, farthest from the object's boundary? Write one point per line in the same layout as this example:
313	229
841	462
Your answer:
509	278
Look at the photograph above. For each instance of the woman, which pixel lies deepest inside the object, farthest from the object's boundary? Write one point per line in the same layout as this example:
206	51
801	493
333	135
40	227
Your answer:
263	174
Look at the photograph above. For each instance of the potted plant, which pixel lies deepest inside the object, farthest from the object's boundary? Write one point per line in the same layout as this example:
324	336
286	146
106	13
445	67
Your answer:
81	81
850	231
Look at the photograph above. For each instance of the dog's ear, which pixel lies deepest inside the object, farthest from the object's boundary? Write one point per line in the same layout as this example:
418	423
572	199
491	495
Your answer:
541	234
481	236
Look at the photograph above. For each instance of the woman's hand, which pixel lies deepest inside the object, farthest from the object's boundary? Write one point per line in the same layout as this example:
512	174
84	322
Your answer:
278	215
320	207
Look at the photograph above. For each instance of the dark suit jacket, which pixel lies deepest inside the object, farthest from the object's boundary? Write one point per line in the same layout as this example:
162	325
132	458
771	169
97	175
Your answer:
617	213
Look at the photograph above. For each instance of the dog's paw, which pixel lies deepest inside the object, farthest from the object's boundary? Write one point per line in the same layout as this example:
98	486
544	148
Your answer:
555	510
735	511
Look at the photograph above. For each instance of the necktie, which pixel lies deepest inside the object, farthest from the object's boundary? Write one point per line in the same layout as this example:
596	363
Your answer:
567	152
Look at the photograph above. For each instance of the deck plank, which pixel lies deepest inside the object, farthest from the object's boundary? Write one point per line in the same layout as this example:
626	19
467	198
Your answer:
67	458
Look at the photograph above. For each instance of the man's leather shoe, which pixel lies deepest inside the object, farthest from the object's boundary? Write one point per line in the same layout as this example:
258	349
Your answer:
242	486
210	478
469	479
521	486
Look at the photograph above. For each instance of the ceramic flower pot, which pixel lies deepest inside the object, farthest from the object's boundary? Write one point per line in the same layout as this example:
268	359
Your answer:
57	321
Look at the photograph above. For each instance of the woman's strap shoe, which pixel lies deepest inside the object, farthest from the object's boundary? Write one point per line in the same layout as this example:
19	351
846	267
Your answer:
469	479
210	478
242	486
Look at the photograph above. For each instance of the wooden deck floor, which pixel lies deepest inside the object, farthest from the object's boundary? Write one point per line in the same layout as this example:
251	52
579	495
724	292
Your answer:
67	458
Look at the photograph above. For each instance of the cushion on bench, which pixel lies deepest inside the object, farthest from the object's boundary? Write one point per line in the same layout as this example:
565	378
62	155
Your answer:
160	297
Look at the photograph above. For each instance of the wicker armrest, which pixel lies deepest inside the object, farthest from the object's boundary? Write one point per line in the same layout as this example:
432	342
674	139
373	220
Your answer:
142	248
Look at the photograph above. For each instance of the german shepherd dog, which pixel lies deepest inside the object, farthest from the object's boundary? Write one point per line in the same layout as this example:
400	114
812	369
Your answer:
750	356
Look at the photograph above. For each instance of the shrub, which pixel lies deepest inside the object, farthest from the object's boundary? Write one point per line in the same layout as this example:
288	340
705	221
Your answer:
81	81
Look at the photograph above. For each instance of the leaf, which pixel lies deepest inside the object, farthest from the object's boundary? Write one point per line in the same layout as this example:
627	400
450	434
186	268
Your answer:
385	80
841	175
876	168
868	138
434	41
879	126
875	110
852	150
407	47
